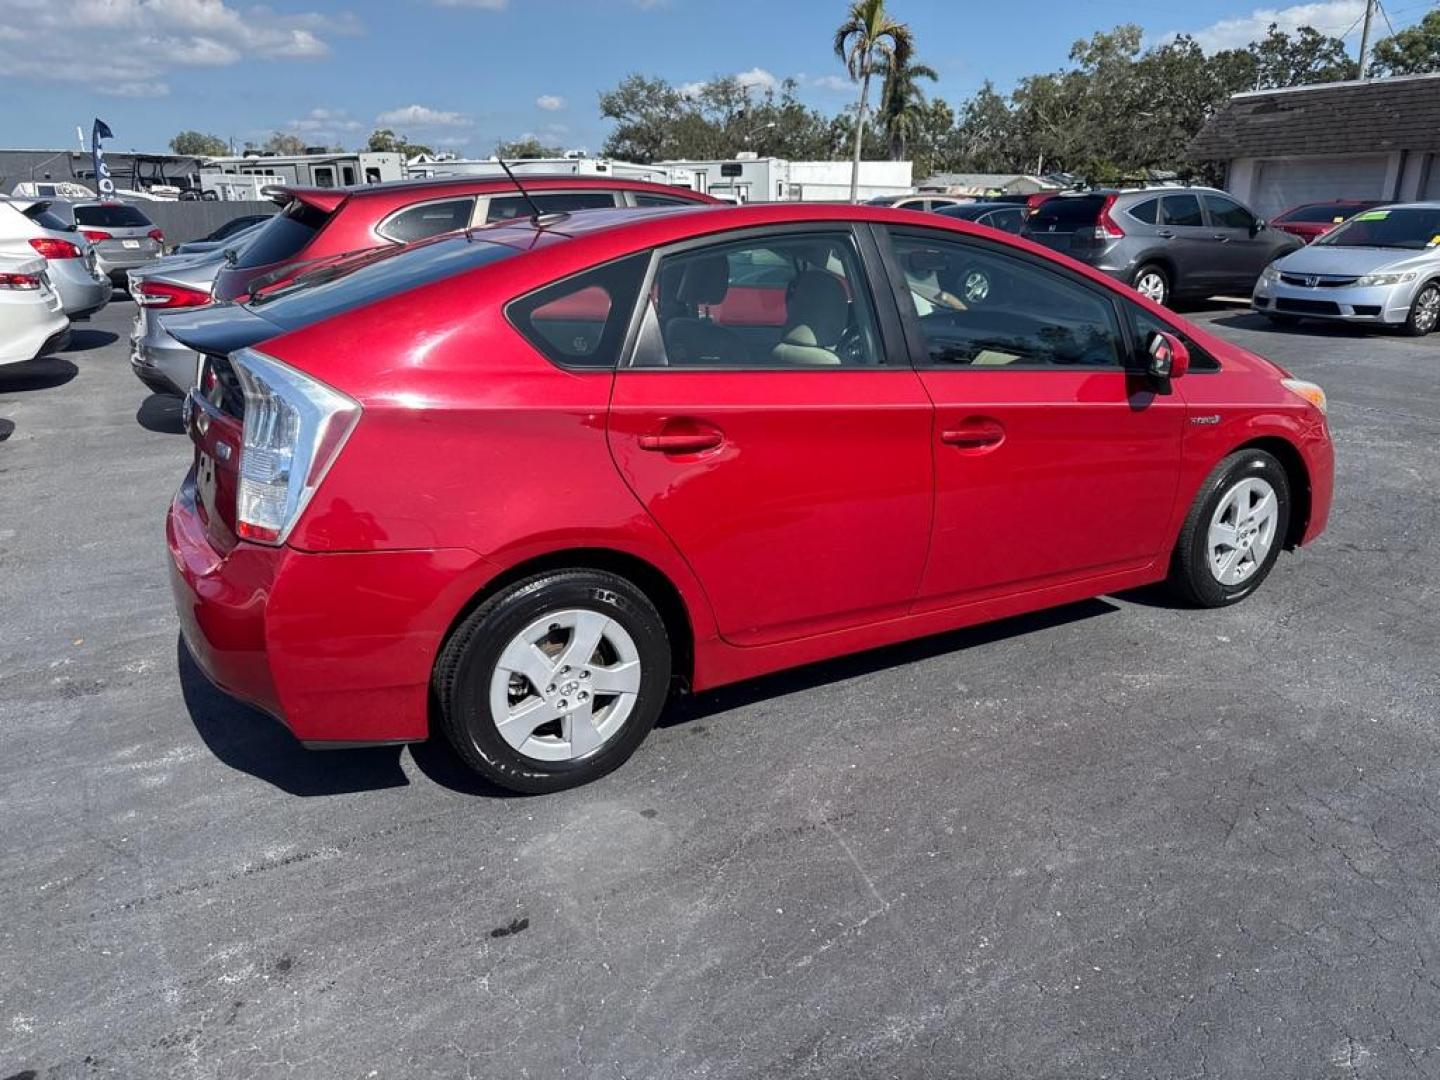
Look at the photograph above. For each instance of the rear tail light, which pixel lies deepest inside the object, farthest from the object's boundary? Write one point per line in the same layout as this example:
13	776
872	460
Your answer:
162	294
95	235
294	429
1105	226
22	282
156	235
55	249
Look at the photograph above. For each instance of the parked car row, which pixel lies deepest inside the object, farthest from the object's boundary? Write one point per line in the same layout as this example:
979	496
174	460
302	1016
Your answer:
516	485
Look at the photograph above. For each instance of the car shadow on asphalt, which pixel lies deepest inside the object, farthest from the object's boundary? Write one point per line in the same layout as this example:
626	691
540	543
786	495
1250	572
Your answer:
1250	320
42	373
248	740
813	676
83	340
160	413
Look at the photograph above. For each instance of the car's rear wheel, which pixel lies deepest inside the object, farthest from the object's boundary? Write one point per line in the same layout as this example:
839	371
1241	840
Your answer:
1424	311
1234	531
1153	283
555	680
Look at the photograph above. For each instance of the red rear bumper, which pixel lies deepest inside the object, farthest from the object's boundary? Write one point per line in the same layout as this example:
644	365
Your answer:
339	647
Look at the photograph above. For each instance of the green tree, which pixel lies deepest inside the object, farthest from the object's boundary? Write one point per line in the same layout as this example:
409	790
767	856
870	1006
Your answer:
1413	51
199	144
527	147
284	142
903	105
869	40
1299	59
385	141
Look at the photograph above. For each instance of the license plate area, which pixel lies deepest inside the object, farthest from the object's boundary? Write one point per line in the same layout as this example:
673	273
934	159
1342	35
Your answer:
130	243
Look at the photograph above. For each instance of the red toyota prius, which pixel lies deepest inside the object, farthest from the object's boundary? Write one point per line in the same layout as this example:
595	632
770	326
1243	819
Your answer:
519	485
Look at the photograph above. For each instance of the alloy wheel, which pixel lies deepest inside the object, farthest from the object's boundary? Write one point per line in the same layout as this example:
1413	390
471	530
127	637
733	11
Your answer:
1151	285
1242	531
565	685
1427	309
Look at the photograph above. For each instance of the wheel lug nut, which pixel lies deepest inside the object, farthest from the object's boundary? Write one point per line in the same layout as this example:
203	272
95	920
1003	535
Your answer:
561	703
582	696
584	674
550	689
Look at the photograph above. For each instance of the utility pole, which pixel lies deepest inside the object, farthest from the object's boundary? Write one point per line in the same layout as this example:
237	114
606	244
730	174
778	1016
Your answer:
1365	37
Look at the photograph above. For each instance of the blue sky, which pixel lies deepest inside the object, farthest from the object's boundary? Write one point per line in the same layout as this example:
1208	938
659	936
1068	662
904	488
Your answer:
463	73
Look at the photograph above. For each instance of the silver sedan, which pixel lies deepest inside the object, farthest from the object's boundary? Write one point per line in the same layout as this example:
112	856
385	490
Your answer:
1382	267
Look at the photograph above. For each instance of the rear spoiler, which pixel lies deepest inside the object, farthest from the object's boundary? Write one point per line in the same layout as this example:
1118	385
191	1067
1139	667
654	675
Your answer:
326	200
219	330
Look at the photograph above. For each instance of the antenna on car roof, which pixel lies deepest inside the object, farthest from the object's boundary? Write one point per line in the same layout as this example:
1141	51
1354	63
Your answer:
535	214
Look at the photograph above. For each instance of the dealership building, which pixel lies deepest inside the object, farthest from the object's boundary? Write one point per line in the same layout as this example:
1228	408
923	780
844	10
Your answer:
1377	139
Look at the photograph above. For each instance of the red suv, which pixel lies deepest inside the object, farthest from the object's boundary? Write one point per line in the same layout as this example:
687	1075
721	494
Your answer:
318	223
520	484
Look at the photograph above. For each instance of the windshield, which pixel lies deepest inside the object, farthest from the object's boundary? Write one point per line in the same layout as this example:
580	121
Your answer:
339	286
1413	228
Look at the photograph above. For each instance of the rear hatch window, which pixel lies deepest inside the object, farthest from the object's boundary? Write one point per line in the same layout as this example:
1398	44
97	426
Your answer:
283	235
111	216
47	218
1066	214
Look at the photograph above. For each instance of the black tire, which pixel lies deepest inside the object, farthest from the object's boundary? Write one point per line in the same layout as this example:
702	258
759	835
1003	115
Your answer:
1166	285
467	662
1191	577
1424	313
1283	320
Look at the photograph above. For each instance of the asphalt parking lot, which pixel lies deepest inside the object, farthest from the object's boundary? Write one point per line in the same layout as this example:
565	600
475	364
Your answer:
1118	839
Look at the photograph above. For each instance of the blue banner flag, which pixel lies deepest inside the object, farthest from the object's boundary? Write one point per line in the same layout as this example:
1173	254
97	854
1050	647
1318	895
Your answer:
104	186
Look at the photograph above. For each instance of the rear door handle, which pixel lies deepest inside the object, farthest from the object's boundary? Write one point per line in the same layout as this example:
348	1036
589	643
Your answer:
682	438
1221	237
974	435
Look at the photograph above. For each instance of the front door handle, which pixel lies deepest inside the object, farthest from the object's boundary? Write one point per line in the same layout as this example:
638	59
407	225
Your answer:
682	438
974	435
1165	234
1221	237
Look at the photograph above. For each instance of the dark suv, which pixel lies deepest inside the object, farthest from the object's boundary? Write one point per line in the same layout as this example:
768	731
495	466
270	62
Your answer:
1166	242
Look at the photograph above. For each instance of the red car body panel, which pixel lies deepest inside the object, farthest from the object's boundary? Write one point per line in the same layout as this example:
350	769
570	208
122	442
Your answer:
355	213
833	517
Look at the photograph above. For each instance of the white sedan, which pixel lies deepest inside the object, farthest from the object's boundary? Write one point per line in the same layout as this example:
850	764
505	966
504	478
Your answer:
32	321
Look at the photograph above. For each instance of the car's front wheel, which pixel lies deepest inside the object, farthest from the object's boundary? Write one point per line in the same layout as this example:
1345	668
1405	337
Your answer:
1424	311
555	680
1153	283
1234	531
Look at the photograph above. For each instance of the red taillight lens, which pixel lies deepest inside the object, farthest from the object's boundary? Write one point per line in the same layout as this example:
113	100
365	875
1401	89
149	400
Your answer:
55	249
95	235
162	294
24	282
1105	226
156	235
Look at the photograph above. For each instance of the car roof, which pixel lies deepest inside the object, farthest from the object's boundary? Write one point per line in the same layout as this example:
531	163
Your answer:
400	192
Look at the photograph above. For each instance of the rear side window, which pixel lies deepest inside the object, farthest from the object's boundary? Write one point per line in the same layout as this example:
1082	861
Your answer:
1182	210
427	219
1066	214
510	207
283	235
1145	211
581	321
111	216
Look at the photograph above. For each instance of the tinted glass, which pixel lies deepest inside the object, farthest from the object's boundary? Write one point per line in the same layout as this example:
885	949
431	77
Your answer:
1182	210
509	207
581	321
230	228
1068	213
1325	213
1145	211
428	219
643	198
979	308
1227	213
49	219
382	273
112	216
1409	229
283	235
774	301
1145	324
1008	220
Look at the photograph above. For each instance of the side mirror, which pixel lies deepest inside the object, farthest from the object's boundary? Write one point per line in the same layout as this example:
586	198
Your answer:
1169	358
1257	225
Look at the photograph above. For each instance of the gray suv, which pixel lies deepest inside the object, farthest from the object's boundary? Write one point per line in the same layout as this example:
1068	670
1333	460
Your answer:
1169	243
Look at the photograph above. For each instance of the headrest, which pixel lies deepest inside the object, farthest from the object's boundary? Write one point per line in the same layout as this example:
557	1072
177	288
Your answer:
817	310
706	280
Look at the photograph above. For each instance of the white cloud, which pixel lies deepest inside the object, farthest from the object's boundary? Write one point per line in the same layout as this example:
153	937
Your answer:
550	102
129	46
832	82
422	116
325	125
482	5
757	77
1332	17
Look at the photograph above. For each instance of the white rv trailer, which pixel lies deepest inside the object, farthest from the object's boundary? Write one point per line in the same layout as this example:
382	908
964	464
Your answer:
566	166
308	170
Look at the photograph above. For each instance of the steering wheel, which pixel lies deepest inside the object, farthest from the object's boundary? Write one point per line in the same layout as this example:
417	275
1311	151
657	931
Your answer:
851	346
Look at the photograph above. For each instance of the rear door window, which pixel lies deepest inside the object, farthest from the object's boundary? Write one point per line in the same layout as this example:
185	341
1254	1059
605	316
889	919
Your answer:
1182	210
510	207
427	219
111	216
284	235
581	321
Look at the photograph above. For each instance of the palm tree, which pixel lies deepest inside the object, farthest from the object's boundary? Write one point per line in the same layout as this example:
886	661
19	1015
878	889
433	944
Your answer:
902	104
869	40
